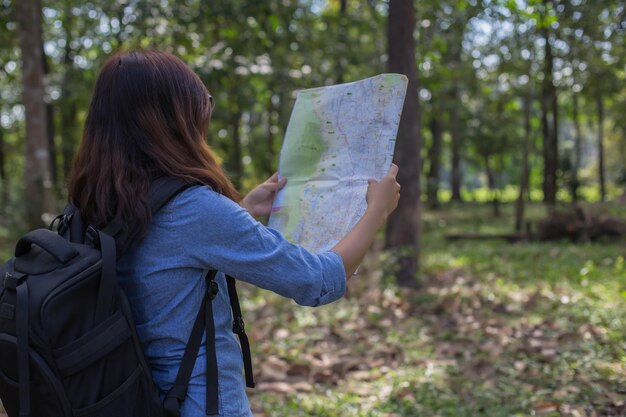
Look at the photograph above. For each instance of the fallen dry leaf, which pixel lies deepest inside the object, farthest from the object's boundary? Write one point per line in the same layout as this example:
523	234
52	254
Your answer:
279	387
274	368
545	407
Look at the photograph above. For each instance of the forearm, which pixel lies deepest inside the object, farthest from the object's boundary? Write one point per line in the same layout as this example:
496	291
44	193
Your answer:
353	247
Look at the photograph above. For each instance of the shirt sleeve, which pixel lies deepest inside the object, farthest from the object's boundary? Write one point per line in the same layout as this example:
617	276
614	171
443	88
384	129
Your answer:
216	233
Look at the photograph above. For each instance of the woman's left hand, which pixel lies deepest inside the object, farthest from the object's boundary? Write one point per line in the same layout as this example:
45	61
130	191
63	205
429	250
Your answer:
258	202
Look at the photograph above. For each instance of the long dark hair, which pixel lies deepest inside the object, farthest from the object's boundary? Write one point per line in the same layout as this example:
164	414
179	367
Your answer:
149	116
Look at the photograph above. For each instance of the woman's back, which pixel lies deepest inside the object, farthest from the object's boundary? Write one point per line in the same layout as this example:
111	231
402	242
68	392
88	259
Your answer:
164	280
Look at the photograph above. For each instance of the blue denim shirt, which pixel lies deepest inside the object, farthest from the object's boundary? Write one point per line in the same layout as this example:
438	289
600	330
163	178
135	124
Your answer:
164	280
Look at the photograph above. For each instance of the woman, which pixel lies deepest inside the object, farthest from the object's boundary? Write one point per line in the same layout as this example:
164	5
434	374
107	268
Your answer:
149	116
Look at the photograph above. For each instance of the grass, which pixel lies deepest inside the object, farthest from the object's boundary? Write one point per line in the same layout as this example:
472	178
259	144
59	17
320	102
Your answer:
496	329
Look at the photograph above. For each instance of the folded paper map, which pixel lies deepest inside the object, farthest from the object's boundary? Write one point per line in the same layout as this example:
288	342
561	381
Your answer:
338	137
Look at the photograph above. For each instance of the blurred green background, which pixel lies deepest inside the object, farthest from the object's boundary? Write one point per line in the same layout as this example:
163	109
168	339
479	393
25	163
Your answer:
491	328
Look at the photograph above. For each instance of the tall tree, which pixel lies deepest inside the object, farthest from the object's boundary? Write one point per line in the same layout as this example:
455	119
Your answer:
455	151
38	183
600	107
525	171
452	19
3	175
575	182
549	105
434	158
527	102
68	110
52	155
403	229
341	42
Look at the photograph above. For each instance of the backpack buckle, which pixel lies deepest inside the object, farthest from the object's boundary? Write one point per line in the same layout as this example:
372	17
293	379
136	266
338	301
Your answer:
91	235
213	290
238	325
64	223
11	282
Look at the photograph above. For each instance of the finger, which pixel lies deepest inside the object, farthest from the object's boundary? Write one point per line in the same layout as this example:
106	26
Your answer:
273	178
393	171
371	181
276	185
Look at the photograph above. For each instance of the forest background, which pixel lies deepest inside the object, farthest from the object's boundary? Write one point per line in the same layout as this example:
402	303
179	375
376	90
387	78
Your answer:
513	128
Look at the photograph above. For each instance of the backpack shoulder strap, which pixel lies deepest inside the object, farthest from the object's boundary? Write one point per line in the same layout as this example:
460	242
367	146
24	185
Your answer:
203	325
239	330
162	190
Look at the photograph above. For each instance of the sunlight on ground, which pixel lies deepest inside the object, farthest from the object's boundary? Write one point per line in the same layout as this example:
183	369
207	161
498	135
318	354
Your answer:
495	330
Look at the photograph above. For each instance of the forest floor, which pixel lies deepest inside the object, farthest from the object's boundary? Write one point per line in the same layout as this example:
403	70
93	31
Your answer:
496	329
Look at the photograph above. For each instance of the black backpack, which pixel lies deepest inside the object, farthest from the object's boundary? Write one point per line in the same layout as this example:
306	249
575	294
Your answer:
68	345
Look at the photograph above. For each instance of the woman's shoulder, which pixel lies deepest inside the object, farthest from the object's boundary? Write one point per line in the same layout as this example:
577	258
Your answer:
199	213
193	194
200	201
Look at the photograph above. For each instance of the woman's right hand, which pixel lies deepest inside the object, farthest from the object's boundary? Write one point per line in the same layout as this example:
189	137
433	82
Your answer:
382	196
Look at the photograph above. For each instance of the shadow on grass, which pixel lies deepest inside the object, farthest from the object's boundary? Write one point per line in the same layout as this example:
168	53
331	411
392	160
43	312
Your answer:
495	330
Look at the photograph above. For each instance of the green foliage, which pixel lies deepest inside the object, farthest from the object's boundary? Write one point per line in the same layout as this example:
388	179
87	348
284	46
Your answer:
478	338
480	58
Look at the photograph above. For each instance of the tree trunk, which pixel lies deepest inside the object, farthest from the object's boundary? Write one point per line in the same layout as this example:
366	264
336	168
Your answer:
53	154
545	132
68	120
403	229
550	133
434	157
600	105
68	110
49	114
38	190
4	182
575	183
524	176
341	41
455	133
554	143
491	182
